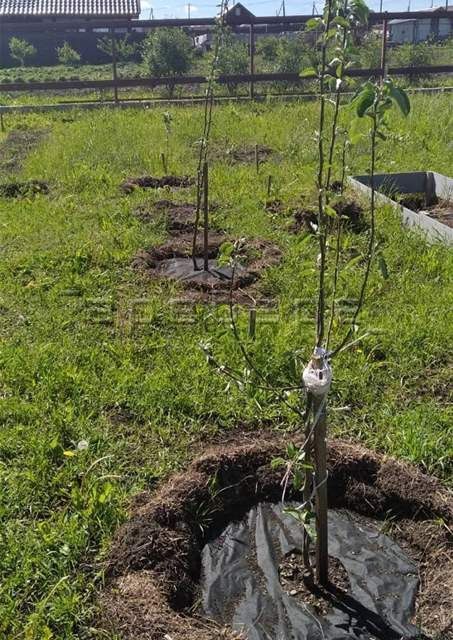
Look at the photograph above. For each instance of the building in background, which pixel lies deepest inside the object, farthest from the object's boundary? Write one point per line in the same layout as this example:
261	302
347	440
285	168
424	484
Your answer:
67	10
82	37
419	30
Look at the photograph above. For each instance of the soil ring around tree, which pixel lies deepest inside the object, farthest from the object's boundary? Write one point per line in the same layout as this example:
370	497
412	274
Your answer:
172	261
16	147
179	217
153	569
27	189
350	213
243	155
151	182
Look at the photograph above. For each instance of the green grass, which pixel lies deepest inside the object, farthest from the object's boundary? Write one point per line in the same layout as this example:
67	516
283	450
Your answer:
81	332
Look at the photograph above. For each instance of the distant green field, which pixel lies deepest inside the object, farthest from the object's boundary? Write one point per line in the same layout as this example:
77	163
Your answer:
104	389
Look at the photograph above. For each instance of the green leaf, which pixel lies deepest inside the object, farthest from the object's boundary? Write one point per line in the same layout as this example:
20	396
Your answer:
310	72
278	462
292	451
402	99
225	253
365	99
342	22
311	530
313	23
330	211
383	267
298	479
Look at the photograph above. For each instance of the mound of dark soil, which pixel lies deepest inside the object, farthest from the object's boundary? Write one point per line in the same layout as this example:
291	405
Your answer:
16	147
179	216
172	260
274	206
150	182
243	155
153	570
440	210
23	189
413	201
350	212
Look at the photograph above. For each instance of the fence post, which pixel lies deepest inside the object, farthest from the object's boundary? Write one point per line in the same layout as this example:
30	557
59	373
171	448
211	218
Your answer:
384	48
114	68
205	217
252	61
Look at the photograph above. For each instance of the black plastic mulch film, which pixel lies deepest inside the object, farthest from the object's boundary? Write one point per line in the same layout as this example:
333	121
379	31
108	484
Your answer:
241	584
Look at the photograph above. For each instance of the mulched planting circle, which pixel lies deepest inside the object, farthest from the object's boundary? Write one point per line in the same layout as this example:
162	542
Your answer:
151	182
179	216
14	189
243	155
300	584
248	582
154	570
172	261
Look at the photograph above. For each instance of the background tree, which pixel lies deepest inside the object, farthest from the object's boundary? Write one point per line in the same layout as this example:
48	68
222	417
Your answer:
267	48
67	55
20	50
232	59
125	50
167	52
413	55
291	55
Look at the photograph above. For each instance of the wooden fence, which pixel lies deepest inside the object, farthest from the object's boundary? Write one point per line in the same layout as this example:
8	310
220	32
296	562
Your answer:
249	22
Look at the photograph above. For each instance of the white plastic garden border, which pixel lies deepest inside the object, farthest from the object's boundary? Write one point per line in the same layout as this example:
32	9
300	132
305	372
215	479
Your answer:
411	183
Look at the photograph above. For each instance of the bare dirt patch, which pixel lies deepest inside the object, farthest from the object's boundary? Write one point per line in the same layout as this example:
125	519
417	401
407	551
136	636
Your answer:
172	261
243	155
350	213
153	570
16	147
151	182
440	210
14	189
179	216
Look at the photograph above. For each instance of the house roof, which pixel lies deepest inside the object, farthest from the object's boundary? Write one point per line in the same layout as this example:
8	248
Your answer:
69	8
237	12
431	10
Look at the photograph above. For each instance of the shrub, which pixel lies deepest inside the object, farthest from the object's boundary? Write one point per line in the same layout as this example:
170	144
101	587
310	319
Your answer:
20	50
67	55
124	49
267	48
291	55
413	55
233	59
167	52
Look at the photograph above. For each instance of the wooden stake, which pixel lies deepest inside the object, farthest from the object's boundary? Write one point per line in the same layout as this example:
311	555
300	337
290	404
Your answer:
252	61
269	186
205	218
164	162
308	486
252	324
320	459
384	49
114	68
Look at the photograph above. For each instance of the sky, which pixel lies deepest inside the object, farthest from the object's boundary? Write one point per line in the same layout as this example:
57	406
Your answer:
208	8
